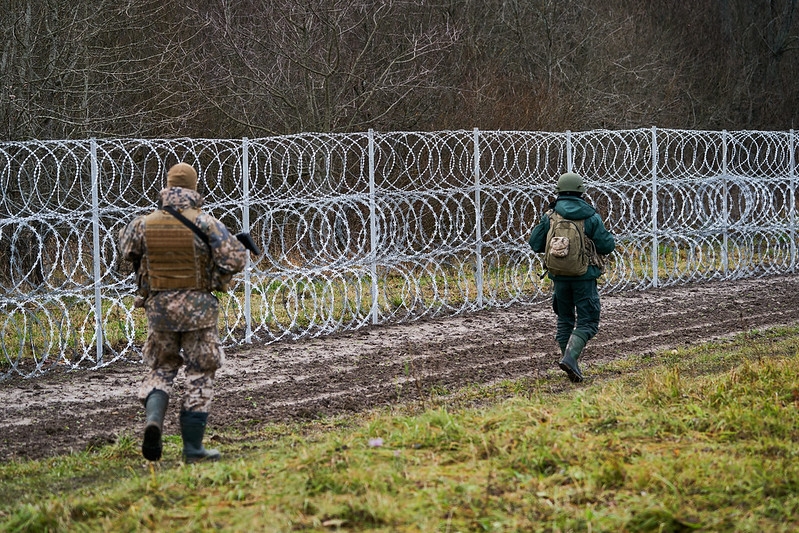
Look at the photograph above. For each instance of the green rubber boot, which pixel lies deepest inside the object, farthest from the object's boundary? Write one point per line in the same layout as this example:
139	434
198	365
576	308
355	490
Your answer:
569	361
192	429
155	407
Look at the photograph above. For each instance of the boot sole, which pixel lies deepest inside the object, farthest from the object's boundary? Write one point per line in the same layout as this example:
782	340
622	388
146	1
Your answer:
151	447
574	377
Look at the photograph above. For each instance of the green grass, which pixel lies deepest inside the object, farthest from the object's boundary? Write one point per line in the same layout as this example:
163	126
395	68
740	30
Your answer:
691	439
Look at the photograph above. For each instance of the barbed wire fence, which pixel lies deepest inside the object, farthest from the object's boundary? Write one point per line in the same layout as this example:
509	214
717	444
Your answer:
374	228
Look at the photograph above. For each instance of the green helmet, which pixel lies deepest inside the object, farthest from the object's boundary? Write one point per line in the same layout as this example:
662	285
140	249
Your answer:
570	182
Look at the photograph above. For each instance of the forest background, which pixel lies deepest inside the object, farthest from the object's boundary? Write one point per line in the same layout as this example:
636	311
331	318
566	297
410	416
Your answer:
255	68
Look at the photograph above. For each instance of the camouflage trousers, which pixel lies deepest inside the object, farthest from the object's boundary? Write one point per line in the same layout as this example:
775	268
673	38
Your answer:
202	355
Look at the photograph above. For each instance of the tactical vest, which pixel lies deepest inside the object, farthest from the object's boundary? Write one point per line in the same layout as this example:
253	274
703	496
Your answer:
173	260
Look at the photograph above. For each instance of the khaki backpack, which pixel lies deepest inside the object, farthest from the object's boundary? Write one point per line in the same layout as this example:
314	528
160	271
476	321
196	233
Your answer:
569	251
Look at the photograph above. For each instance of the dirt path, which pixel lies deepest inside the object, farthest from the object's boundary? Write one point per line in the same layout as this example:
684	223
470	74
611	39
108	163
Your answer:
61	412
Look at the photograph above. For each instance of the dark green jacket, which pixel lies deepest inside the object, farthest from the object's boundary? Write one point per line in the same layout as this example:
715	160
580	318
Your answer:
575	208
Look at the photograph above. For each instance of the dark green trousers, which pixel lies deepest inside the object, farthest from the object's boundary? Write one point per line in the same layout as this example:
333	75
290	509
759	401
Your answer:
577	305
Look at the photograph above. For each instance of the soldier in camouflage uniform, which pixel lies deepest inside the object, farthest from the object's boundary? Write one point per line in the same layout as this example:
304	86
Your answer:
176	273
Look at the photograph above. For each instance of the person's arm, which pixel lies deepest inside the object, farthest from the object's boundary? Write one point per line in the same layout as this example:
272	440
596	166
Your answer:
131	241
538	238
131	245
227	253
604	240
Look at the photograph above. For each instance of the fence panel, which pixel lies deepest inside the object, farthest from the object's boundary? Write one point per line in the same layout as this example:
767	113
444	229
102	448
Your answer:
374	227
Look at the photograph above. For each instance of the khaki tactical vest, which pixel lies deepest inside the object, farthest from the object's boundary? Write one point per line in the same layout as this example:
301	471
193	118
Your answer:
173	260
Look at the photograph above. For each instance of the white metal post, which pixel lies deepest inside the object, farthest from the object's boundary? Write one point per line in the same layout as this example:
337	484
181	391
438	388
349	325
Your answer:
245	227
98	302
655	208
478	224
569	157
792	208
724	256
373	225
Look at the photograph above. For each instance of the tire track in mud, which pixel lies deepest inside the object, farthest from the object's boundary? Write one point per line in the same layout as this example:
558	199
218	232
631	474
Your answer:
376	366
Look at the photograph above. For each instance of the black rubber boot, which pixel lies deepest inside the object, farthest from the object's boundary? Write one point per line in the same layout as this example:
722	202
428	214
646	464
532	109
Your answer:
192	429
155	407
569	362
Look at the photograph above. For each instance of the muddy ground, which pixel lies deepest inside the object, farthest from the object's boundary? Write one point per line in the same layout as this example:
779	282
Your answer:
71	411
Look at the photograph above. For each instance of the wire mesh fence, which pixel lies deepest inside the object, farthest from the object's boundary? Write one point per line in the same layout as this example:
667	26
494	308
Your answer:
374	228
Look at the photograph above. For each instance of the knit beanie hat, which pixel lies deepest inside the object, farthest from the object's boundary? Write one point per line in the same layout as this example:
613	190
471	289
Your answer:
182	175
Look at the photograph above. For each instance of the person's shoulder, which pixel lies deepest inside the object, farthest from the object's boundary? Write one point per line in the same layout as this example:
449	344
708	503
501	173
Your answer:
574	208
212	224
206	218
585	204
596	218
138	220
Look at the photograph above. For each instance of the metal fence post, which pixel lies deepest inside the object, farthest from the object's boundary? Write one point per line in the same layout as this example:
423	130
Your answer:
373	225
792	208
245	227
478	221
724	248
655	208
569	156
98	302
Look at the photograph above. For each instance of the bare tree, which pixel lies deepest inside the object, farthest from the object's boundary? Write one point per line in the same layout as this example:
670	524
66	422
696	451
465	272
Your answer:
228	68
94	67
322	65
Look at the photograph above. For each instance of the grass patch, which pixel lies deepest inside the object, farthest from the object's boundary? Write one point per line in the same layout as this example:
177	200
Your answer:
691	439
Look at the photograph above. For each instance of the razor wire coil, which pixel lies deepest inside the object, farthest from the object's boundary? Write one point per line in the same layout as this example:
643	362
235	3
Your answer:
374	228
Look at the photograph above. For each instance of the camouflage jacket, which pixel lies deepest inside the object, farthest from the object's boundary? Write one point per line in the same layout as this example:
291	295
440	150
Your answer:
184	310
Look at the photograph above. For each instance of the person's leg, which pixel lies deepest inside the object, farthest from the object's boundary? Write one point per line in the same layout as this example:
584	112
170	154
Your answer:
571	354
587	304
563	305
162	356
203	355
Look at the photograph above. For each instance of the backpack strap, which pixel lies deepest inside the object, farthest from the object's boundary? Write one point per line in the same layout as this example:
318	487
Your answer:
549	212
